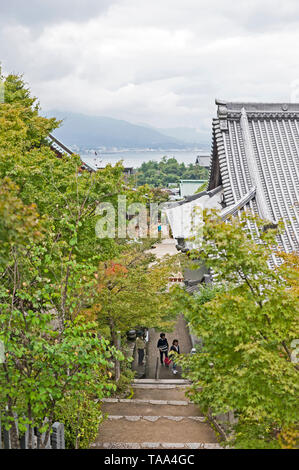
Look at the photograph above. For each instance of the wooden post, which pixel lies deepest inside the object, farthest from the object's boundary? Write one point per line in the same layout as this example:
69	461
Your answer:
157	369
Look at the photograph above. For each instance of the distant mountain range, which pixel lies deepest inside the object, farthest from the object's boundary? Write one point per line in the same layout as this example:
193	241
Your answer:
88	132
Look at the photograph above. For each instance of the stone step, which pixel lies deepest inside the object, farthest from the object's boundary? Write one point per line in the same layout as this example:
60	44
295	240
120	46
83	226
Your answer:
146	401
174	393
161	430
153	419
148	409
157	386
161	382
156	445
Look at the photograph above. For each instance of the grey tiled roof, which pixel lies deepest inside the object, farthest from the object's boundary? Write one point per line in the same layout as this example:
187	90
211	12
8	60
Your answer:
255	157
59	146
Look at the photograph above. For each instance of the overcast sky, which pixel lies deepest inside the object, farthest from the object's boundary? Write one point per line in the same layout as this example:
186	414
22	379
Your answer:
160	62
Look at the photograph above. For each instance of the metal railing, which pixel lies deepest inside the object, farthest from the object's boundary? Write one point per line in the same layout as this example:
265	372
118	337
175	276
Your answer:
157	372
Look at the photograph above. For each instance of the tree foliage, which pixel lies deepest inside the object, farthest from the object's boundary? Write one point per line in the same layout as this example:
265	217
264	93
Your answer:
81	416
132	291
168	170
49	256
248	322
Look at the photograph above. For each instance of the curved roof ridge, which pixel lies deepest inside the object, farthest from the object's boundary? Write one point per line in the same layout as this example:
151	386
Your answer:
256	107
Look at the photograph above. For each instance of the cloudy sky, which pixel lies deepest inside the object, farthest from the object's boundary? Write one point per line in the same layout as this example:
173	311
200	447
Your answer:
160	62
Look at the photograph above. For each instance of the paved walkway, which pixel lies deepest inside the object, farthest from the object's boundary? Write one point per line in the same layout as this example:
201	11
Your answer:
165	247
159	416
181	333
170	422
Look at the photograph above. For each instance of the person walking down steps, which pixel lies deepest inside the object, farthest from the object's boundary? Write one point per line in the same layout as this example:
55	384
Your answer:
174	351
140	346
163	347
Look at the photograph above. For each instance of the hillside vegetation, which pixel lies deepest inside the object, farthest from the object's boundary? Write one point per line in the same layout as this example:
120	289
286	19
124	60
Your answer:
160	174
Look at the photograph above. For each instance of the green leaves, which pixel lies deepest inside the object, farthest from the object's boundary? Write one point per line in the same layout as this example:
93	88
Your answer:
48	368
48	256
168	170
247	321
131	292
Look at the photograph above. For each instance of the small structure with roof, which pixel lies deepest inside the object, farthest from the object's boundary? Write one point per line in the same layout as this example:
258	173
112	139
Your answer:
203	160
189	187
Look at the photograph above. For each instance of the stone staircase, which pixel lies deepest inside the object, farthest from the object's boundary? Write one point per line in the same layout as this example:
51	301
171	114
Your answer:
157	417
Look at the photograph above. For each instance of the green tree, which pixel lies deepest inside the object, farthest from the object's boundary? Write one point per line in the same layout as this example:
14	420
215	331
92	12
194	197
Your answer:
133	291
248	321
168	170
66	198
42	361
49	255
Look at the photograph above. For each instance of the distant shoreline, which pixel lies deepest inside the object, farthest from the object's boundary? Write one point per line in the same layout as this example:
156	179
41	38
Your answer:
141	150
135	158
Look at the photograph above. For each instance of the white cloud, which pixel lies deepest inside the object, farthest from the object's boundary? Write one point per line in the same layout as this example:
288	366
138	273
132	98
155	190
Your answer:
160	62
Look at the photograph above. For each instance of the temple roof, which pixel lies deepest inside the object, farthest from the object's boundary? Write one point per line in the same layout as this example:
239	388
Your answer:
255	157
60	149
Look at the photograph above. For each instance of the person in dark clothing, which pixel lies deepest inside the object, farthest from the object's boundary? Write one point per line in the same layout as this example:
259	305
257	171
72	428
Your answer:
174	350
163	346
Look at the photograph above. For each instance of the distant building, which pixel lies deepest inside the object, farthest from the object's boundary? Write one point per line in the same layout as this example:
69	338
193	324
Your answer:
203	160
189	187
